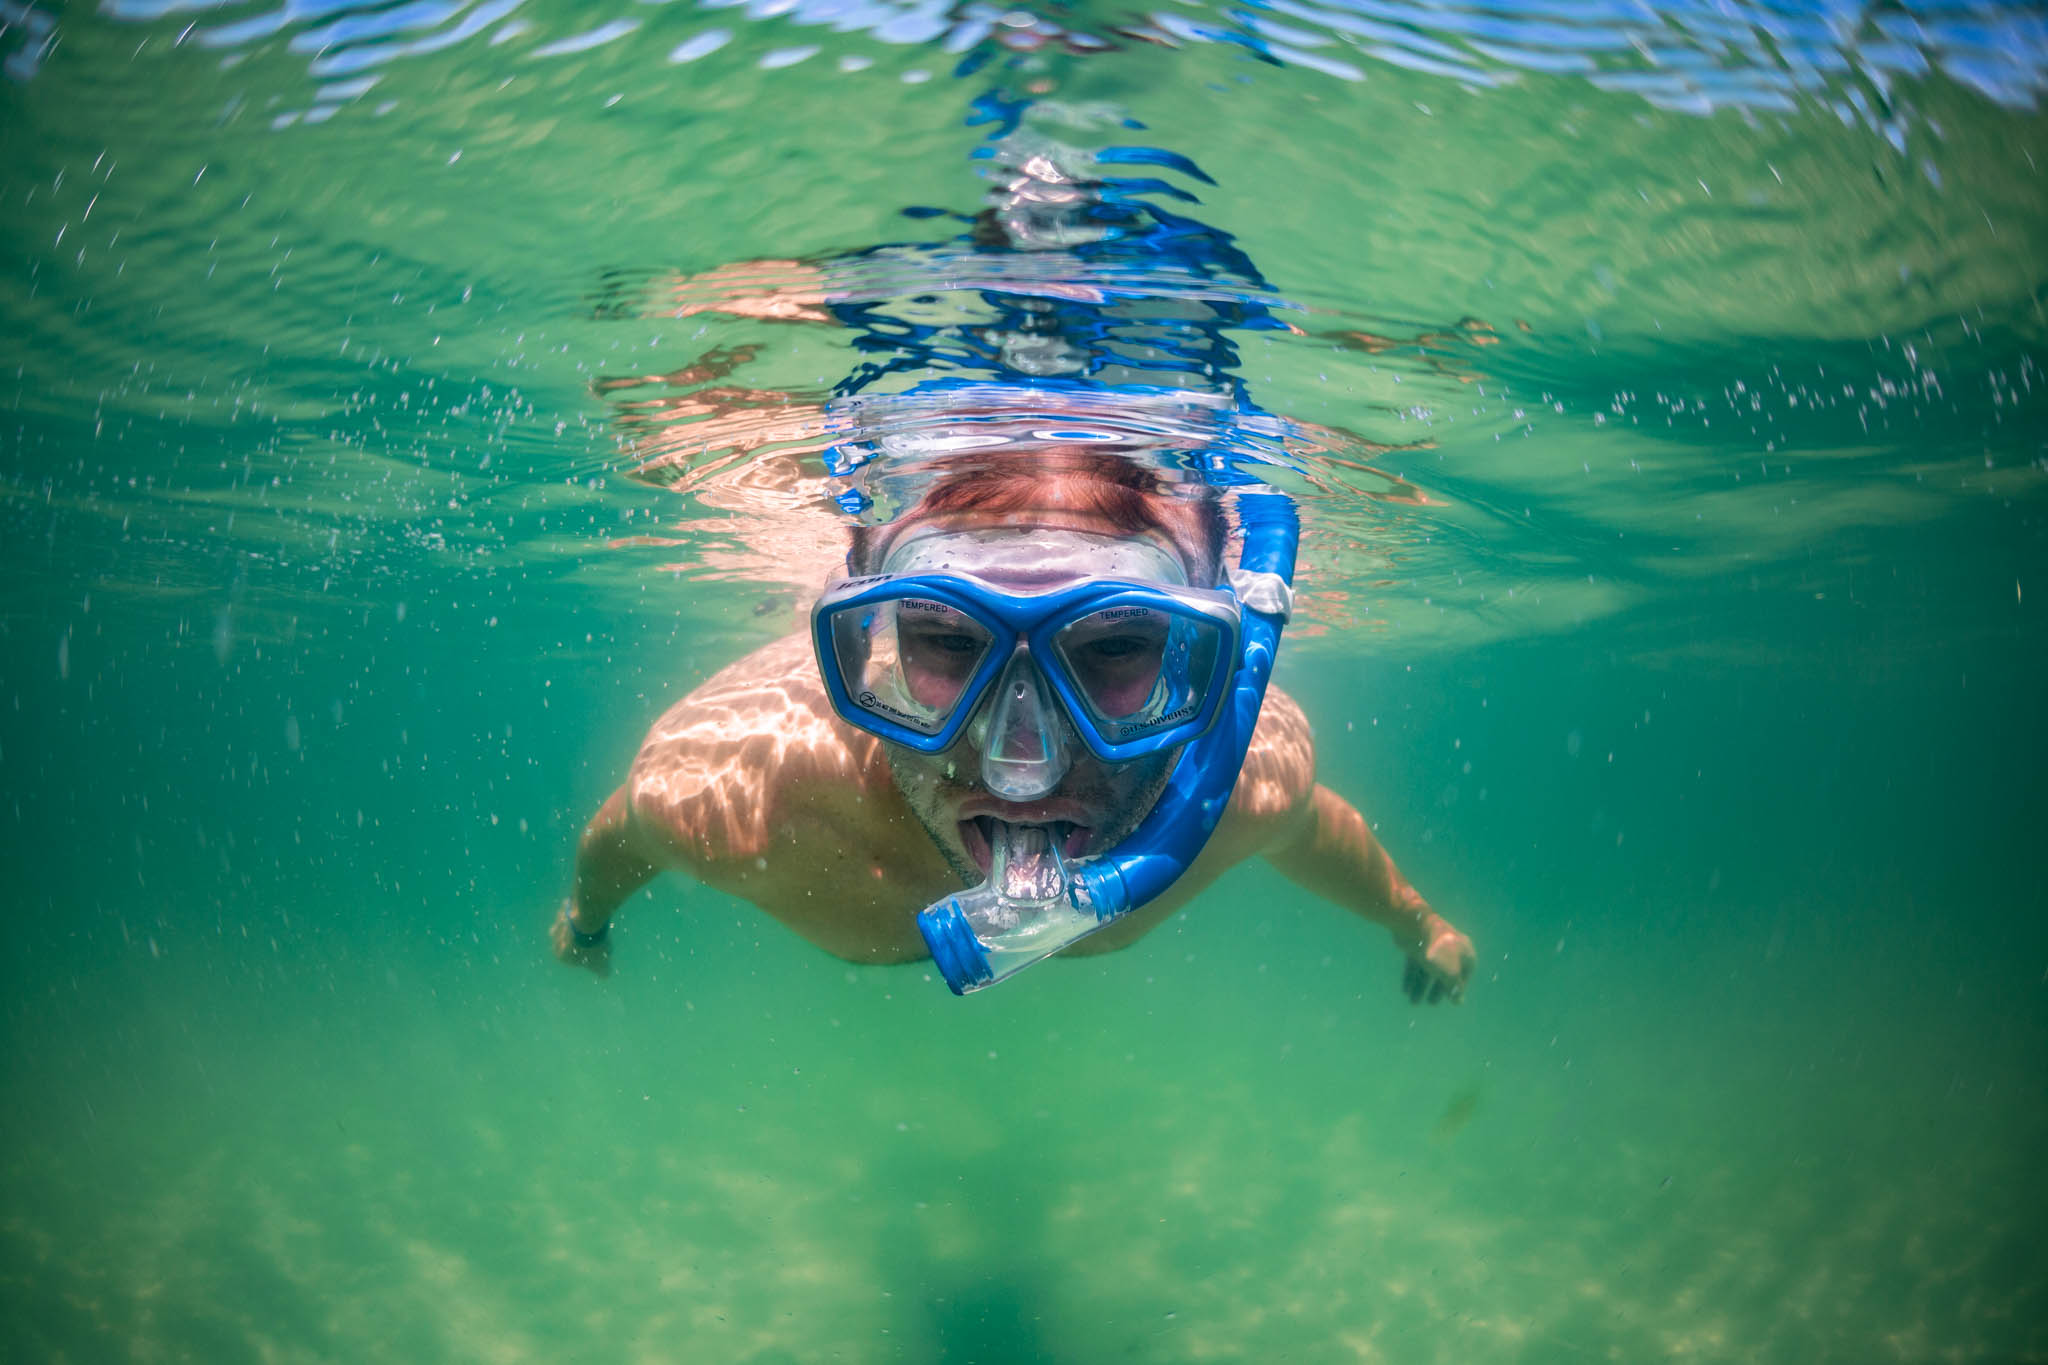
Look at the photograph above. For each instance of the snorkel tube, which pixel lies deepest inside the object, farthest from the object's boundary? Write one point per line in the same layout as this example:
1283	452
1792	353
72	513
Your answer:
982	936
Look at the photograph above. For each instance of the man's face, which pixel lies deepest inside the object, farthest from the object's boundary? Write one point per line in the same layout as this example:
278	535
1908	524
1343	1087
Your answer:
1094	806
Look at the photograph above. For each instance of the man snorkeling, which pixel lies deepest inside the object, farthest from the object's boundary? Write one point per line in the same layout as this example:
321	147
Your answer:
1039	680
1024	728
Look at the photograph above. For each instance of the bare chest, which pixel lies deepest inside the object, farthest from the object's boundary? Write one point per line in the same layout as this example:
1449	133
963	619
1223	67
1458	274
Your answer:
850	881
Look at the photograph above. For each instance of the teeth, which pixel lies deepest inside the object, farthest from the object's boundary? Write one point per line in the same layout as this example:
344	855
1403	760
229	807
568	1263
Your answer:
1003	833
1024	865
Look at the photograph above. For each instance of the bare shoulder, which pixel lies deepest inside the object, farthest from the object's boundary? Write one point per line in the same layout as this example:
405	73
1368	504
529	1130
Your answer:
1273	796
742	753
1274	787
1280	767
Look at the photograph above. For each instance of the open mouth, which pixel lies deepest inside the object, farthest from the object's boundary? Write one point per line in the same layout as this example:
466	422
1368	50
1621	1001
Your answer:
981	832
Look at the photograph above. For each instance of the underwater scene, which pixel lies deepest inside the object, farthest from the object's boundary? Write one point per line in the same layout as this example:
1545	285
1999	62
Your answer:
451	454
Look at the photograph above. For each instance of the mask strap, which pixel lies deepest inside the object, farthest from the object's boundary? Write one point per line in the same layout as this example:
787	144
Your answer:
1264	590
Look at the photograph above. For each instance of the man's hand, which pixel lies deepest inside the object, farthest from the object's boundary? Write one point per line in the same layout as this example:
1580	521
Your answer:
1440	969
596	956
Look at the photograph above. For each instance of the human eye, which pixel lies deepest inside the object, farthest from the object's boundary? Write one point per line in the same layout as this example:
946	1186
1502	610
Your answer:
948	642
941	642
1119	633
1124	646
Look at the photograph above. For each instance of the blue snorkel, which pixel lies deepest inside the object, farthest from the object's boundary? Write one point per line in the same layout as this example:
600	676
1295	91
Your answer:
979	937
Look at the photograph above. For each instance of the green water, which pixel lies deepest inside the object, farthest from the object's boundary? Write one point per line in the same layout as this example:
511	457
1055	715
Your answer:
1704	695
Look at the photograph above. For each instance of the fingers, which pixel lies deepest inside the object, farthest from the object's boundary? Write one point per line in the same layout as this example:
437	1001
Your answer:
597	957
1424	983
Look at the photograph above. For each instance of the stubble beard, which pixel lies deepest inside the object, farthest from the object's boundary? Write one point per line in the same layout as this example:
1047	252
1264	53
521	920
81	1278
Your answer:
931	800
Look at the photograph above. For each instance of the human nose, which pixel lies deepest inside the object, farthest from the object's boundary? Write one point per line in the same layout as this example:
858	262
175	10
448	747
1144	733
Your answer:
1025	749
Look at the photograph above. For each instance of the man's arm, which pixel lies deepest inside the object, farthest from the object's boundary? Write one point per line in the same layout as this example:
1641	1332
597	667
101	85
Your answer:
752	785
705	770
1320	843
609	868
1332	852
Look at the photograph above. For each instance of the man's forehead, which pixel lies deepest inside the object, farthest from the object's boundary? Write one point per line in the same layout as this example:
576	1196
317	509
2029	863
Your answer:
1179	535
1034	556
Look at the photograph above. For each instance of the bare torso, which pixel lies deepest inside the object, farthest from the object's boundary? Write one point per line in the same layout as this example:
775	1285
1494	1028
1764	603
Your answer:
757	788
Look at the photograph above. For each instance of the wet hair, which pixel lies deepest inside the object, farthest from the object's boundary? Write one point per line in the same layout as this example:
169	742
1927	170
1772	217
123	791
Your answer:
1130	496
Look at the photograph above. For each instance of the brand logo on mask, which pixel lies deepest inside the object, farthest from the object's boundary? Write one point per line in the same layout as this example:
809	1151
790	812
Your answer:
869	701
1140	727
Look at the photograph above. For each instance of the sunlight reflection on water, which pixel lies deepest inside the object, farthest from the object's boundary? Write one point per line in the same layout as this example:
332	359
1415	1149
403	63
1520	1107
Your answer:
1682	56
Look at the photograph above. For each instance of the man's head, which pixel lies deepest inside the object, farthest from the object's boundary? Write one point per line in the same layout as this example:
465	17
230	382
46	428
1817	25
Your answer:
1027	519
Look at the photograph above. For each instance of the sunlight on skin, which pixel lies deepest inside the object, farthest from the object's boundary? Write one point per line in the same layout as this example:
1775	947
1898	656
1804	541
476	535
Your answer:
755	786
706	764
752	784
755	757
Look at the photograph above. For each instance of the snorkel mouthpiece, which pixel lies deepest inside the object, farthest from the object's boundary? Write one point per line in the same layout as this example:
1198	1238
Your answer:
1023	912
1034	903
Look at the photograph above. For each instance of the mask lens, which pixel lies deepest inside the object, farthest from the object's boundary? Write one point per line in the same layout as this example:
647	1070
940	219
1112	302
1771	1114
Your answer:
940	649
1140	669
907	659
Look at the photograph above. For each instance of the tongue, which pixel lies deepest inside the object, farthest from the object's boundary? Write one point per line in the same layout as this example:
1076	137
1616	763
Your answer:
1021	865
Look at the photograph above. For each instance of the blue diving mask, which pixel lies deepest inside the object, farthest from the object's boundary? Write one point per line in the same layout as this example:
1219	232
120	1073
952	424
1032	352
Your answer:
1031	640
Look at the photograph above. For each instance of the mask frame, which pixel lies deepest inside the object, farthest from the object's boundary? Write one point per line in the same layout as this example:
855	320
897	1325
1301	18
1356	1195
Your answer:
1035	619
